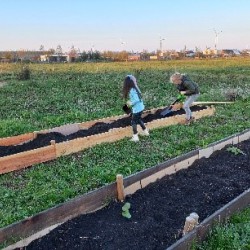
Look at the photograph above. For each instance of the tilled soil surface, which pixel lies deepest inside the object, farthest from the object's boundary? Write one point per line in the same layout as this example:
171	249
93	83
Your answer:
159	210
43	140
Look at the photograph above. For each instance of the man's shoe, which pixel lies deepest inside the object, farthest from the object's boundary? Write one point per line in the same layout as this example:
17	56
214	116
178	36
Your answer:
135	138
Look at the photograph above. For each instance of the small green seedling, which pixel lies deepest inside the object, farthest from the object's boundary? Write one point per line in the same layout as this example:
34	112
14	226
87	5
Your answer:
125	210
235	150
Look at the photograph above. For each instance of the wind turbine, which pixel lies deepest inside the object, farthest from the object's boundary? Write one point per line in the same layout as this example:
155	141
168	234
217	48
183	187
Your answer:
161	39
216	38
122	44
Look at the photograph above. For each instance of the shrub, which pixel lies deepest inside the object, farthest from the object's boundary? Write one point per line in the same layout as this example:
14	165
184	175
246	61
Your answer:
24	73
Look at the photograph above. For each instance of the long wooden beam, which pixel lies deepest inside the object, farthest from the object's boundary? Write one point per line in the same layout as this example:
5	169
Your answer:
25	159
210	103
15	140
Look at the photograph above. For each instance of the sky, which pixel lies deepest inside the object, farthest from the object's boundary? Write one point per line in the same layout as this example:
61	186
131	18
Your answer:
131	25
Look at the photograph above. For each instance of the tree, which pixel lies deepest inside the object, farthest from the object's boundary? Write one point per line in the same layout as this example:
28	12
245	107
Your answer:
83	56
41	48
51	51
97	55
8	55
72	54
59	50
21	54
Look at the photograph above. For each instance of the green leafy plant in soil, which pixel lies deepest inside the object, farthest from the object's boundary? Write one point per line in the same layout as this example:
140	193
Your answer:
125	210
235	150
235	234
59	94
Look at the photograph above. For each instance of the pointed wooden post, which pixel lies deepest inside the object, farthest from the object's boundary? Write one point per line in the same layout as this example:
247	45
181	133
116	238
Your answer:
196	217
189	225
120	187
35	134
53	142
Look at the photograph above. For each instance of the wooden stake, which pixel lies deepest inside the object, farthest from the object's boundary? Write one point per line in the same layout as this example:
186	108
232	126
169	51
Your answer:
189	225
120	187
53	142
196	217
35	134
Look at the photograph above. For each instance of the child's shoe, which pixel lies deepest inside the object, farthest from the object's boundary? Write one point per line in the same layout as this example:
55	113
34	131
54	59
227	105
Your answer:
135	138
145	132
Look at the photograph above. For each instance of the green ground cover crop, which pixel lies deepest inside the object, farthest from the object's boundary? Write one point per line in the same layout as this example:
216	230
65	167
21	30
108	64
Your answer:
57	94
67	93
235	234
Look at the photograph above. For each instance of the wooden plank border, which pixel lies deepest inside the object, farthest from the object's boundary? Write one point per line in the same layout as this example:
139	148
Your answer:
27	158
59	214
15	140
147	176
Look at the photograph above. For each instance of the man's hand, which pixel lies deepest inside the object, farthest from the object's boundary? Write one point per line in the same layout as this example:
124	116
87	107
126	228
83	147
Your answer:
183	92
129	103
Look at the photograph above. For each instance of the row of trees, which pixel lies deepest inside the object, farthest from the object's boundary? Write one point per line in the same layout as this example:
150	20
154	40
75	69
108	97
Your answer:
75	55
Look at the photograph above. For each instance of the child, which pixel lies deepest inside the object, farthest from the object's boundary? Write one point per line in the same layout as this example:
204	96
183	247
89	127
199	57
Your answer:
132	92
188	88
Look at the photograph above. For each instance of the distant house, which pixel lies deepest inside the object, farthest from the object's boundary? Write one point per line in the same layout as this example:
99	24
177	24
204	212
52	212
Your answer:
44	58
153	57
5	60
245	52
54	58
174	54
230	52
134	57
189	53
210	52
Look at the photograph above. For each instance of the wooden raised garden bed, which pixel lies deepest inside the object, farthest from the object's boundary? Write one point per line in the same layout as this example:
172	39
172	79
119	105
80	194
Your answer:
168	171
27	150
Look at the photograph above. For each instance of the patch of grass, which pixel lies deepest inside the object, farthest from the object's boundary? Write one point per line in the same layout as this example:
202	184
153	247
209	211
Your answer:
234	235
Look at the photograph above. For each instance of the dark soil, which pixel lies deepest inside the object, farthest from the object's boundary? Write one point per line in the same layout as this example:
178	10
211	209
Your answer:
43	140
159	210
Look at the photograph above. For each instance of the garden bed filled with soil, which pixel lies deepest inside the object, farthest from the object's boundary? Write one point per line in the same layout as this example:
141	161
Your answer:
159	210
43	140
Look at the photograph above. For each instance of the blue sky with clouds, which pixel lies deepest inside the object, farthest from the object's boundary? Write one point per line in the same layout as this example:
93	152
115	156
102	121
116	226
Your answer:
133	25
